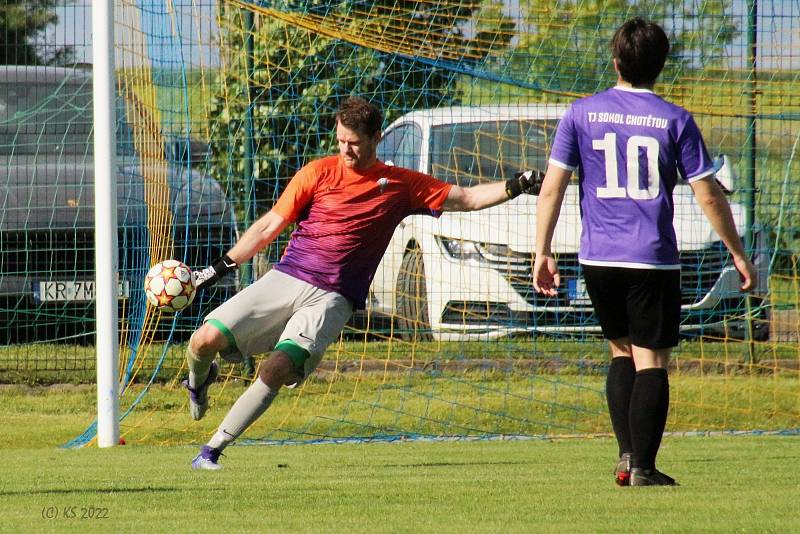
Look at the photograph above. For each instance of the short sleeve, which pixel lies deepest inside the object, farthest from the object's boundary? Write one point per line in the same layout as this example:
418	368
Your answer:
298	194
694	163
425	192
565	152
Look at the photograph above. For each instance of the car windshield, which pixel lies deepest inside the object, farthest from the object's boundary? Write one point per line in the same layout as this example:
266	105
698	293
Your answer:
51	118
471	153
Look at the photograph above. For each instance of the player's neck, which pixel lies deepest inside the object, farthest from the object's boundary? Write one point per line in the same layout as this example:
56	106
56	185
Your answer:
629	85
366	166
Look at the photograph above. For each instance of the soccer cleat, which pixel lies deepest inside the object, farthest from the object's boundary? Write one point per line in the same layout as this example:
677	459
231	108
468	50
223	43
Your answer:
198	397
622	473
650	477
207	459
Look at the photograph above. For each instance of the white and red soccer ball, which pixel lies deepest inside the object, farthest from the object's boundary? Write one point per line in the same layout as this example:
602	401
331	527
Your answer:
169	286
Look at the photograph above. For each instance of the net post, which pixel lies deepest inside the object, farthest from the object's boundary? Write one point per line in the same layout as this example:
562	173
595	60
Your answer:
105	217
247	270
751	148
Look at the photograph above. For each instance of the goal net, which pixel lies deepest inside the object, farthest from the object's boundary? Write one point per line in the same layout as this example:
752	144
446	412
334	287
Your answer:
220	103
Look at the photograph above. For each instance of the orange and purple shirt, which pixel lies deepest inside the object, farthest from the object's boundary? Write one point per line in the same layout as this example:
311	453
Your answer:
345	219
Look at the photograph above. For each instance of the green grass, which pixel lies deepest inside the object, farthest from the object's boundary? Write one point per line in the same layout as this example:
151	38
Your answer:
727	484
343	406
73	364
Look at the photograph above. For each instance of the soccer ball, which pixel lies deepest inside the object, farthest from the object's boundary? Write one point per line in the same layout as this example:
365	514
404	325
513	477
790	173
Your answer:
169	286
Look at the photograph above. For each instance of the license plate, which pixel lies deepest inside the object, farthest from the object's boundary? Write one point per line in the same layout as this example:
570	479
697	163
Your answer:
578	295
73	291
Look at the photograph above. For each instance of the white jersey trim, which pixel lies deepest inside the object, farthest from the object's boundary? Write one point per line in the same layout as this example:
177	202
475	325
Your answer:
704	174
634	89
629	265
562	165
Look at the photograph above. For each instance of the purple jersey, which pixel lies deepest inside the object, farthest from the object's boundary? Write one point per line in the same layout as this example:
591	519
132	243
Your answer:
629	146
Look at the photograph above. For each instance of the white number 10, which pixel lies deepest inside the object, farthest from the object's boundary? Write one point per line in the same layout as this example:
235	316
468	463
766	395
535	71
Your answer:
608	144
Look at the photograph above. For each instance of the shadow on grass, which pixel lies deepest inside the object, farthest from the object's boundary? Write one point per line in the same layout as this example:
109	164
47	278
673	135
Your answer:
727	460
68	491
457	464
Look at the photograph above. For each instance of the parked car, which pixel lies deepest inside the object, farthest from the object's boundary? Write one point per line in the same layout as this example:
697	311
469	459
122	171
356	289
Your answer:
468	275
47	194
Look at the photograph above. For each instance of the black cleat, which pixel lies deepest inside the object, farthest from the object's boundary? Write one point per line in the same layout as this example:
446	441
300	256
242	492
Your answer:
650	477
622	472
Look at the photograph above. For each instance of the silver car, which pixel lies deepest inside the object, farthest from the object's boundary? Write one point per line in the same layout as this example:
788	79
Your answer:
47	194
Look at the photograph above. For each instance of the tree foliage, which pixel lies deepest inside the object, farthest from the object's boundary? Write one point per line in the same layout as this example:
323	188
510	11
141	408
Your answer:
299	78
566	44
22	23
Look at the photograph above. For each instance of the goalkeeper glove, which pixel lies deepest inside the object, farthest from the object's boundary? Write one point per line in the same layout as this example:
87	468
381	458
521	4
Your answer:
528	182
209	276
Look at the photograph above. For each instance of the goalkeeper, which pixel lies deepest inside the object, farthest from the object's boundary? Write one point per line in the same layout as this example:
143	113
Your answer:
629	146
346	208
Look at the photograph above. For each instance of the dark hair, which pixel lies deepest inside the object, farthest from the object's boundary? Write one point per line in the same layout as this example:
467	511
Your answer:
358	114
640	48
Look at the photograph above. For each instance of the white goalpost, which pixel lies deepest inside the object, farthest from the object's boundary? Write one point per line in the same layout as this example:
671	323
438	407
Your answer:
105	220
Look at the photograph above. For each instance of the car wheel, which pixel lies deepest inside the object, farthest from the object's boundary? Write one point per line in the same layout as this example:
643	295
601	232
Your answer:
411	300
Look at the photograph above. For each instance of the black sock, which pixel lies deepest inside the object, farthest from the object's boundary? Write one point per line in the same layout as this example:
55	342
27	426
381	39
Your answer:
648	415
619	386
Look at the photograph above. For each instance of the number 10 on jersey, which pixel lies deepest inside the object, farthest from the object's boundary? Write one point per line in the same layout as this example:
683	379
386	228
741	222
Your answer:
613	189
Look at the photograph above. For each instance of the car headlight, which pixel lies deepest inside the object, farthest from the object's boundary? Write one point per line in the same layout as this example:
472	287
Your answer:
461	249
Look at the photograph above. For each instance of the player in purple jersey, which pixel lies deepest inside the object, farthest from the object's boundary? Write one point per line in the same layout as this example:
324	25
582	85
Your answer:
628	146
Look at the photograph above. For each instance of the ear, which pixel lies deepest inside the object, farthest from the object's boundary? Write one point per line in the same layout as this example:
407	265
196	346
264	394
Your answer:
620	79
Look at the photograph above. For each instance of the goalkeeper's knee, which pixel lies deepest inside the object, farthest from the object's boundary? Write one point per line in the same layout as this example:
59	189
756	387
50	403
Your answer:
276	371
203	345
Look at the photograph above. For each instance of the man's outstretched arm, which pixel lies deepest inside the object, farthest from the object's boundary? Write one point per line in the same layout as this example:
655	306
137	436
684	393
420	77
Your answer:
487	195
260	234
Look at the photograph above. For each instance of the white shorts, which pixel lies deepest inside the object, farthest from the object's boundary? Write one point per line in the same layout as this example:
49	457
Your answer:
280	307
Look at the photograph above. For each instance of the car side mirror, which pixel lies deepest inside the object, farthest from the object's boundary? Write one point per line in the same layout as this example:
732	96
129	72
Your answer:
725	174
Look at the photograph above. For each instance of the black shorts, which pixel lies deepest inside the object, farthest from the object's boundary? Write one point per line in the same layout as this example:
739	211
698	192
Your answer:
641	304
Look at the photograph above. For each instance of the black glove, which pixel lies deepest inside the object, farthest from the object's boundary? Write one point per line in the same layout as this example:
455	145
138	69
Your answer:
528	182
209	276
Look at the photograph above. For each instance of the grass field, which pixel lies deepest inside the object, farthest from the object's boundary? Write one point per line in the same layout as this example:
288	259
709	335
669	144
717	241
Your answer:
469	405
745	484
728	482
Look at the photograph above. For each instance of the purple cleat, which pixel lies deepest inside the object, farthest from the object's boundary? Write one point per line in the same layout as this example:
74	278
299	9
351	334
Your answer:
198	397
207	459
